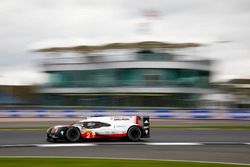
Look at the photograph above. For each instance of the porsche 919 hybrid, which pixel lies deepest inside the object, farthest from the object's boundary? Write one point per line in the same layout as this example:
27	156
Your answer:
132	128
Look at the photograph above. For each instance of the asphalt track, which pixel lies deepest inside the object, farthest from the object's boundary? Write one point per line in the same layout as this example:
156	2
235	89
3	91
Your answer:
38	122
175	144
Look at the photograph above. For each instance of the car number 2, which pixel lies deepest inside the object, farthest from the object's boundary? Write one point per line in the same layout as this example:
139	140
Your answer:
89	134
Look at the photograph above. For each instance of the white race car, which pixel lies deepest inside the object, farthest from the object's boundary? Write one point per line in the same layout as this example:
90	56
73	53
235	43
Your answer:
132	127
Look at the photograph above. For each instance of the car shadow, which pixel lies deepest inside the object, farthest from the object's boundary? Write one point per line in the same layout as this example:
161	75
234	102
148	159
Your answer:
104	140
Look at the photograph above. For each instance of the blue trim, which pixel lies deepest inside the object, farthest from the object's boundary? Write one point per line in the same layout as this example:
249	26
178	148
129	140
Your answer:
240	117
99	111
201	116
163	111
202	112
14	113
41	113
69	113
130	111
239	112
193	114
164	116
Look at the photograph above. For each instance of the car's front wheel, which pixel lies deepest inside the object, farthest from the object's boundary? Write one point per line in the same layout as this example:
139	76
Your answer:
134	133
73	134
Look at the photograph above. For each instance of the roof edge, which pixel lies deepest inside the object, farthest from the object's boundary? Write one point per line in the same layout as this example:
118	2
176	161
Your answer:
131	45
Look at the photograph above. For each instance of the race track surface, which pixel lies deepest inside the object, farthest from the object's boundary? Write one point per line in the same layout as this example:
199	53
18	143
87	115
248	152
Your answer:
218	145
38	122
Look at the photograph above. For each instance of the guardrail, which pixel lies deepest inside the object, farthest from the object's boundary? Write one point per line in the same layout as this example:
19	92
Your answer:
167	114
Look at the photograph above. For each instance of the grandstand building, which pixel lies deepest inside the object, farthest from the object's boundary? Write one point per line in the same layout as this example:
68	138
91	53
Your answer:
144	74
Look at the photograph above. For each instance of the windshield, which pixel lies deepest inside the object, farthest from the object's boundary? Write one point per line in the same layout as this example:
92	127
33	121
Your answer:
91	124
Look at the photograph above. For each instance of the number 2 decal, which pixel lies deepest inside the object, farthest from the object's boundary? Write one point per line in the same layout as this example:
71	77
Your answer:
88	135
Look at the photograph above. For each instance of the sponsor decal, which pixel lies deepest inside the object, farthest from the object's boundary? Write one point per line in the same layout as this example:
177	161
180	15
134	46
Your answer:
121	118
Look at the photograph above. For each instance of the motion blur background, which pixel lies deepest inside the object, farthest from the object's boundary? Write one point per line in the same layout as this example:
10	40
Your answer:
184	63
119	54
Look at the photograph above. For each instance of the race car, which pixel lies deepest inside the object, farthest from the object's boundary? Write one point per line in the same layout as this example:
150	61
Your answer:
131	127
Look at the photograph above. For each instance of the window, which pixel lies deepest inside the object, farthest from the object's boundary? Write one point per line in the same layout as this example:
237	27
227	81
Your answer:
148	55
104	124
94	125
129	77
152	79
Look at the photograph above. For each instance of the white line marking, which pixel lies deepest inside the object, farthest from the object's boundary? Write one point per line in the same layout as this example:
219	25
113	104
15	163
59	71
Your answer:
126	143
174	144
66	145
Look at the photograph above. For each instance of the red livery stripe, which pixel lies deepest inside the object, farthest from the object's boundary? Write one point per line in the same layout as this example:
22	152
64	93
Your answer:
90	135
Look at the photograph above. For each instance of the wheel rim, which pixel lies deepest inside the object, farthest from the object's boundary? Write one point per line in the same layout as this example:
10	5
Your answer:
73	135
135	134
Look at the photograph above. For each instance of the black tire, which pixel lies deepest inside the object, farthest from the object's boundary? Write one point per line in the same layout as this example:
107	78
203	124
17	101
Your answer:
73	134
134	133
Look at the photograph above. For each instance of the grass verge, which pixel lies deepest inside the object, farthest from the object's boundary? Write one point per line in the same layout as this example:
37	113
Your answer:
82	162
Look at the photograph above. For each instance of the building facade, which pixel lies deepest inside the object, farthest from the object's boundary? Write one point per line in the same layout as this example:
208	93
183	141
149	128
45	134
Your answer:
145	76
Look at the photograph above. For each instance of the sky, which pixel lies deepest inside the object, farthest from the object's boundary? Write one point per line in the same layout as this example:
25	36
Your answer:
222	25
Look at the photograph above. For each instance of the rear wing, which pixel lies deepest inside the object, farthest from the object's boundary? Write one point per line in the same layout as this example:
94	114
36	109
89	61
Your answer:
146	126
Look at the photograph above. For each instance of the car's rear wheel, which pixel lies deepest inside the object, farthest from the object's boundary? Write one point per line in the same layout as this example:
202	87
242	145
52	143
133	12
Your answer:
134	133
73	134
